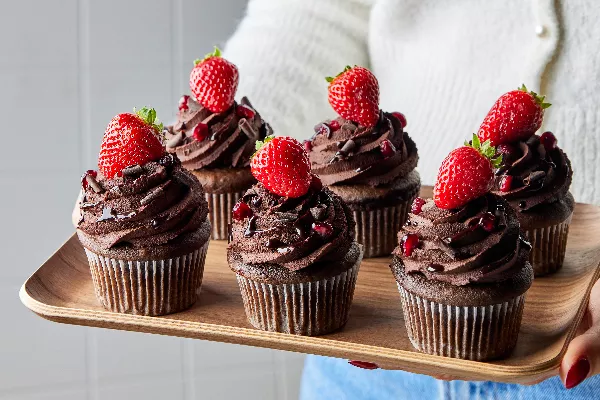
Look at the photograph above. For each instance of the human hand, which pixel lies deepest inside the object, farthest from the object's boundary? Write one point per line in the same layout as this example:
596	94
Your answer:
582	358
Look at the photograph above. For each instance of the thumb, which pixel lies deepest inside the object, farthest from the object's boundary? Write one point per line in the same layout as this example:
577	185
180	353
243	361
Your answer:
582	358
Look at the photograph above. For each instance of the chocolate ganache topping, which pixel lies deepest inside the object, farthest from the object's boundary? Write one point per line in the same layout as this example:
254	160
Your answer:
292	232
532	174
342	152
479	243
203	139
148	206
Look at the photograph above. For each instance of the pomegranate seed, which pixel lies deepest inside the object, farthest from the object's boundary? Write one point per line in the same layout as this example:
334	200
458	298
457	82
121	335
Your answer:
241	211
417	205
363	364
323	229
409	242
548	140
183	102
200	131
488	222
243	111
84	182
387	148
323	129
307	145
334	125
401	118
506	183
315	184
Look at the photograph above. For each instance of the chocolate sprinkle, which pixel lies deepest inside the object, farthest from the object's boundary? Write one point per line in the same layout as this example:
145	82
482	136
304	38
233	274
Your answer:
94	184
176	140
150	197
133	171
248	129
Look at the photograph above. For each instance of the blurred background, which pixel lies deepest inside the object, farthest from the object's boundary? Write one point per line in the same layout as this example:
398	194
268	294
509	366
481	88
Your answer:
66	68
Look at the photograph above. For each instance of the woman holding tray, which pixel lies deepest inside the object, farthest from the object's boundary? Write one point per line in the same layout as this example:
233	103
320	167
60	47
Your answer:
442	64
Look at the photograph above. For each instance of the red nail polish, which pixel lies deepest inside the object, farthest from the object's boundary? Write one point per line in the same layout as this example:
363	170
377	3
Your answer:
364	364
577	373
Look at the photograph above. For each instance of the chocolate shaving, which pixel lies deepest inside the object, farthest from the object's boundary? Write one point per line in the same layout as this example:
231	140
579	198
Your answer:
348	146
133	171
150	197
206	120
248	129
94	184
176	140
319	213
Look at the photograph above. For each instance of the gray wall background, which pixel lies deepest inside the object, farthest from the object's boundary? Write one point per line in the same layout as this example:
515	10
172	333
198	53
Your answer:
66	68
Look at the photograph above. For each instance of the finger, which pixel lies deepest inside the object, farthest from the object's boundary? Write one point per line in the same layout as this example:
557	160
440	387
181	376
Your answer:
582	358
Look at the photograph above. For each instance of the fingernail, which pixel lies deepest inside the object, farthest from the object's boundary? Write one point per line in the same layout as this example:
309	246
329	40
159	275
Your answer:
577	373
364	364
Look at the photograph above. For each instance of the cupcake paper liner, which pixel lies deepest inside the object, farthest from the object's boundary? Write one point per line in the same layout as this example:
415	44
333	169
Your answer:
377	229
219	212
470	333
310	309
151	288
548	247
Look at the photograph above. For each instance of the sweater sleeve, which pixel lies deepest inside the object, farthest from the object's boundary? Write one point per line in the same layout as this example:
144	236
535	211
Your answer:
284	49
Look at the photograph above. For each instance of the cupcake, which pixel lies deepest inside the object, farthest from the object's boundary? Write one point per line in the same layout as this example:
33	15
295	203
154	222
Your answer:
292	246
142	222
462	265
214	137
534	177
365	157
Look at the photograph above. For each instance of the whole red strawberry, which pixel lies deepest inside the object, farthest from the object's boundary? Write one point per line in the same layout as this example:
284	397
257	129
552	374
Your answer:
130	139
515	116
466	174
214	81
354	95
281	165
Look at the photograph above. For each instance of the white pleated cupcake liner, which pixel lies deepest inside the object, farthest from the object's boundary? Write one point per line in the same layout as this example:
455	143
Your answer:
219	212
548	247
469	333
377	229
310	309
151	288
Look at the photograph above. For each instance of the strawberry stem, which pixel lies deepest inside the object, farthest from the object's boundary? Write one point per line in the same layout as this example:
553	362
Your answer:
538	98
148	115
216	53
485	149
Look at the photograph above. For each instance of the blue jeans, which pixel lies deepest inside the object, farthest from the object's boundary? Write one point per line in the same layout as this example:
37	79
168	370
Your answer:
334	379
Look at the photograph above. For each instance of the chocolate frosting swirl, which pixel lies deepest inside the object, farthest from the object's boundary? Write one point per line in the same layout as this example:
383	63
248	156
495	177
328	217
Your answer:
455	247
538	176
230	140
148	206
292	232
352	153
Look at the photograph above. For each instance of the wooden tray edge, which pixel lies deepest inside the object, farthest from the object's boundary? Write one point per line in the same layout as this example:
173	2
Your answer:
388	359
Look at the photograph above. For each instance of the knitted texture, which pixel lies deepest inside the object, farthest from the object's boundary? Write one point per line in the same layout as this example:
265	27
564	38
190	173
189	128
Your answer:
442	63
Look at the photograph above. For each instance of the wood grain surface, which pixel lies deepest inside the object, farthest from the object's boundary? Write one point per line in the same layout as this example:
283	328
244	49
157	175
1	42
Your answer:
61	290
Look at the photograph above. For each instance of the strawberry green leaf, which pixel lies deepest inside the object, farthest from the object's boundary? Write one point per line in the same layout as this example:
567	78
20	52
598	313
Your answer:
216	53
148	115
260	144
331	78
538	98
485	149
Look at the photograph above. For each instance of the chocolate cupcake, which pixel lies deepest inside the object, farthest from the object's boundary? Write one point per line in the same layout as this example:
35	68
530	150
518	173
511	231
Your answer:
295	258
144	227
462	272
371	166
534	177
215	144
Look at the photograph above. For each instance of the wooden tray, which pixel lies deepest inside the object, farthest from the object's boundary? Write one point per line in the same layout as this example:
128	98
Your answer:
61	290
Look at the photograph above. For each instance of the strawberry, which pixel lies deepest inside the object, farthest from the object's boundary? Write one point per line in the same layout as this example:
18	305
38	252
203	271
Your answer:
515	116
354	95
466	174
214	81
281	165
130	139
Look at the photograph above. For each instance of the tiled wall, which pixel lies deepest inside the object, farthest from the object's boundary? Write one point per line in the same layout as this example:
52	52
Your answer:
67	67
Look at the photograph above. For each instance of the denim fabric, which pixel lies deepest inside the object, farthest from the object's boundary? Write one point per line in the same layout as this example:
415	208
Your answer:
334	379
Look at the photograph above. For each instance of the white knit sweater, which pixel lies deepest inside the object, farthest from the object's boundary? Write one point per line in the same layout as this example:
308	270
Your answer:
442	63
